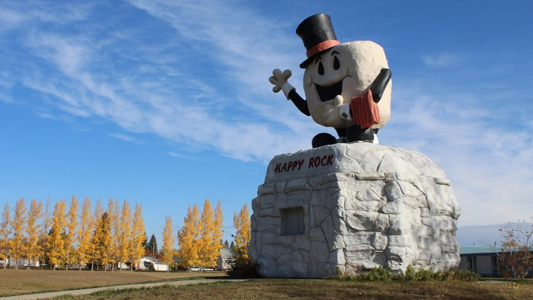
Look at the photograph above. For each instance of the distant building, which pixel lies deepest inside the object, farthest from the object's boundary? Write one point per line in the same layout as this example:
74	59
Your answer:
20	263
150	263
226	256
482	260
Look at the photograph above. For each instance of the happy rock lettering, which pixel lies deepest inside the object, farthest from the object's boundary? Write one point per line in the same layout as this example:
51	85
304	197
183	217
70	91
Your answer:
296	165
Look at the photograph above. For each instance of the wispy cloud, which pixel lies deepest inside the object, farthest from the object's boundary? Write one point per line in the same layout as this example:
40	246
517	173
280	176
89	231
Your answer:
165	98
192	75
6	99
441	61
181	155
14	13
125	137
489	163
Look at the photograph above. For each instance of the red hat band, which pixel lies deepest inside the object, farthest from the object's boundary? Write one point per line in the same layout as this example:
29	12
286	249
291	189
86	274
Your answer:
321	47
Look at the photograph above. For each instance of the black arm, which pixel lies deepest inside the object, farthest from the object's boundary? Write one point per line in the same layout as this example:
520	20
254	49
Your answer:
300	103
380	83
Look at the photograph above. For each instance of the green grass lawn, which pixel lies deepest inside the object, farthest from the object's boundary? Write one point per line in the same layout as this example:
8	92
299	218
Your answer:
13	282
326	289
23	281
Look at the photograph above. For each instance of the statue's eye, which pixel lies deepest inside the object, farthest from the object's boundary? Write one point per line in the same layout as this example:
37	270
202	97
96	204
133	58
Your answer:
320	68
336	63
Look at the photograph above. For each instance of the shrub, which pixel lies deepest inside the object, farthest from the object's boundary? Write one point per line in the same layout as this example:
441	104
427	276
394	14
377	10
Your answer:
411	274
465	275
377	274
243	267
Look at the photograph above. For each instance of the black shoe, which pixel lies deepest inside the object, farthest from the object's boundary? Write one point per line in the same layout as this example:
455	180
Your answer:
356	134
323	139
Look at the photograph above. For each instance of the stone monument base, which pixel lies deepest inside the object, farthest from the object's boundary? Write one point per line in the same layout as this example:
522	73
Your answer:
352	207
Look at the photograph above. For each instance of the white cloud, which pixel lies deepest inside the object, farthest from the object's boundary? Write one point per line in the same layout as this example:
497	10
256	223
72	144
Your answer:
5	98
125	137
488	162
167	100
68	54
441	61
181	155
205	86
14	13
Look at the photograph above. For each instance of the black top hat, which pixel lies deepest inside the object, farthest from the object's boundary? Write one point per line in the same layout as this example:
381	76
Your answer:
318	36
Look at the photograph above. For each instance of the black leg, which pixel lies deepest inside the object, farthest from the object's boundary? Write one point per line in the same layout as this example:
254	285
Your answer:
323	139
356	133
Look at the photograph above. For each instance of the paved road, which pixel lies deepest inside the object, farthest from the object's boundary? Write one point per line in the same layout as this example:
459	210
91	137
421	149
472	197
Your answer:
119	287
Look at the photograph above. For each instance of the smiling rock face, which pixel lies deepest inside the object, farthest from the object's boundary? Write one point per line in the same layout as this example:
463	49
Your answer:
348	70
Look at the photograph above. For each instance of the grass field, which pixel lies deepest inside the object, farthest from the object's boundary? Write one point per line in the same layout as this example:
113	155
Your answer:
14	282
326	289
24	281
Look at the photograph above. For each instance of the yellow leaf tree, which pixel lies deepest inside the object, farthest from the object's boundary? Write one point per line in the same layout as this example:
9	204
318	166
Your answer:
168	242
242	224
124	234
95	237
70	235
113	217
206	227
210	234
101	241
33	248
138	235
18	242
85	230
187	237
45	229
55	243
98	210
219	233
5	232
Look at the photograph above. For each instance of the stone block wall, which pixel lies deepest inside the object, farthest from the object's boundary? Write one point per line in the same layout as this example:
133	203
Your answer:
355	206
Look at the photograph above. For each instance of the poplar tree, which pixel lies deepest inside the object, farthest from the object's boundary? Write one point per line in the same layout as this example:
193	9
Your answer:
98	210
70	236
219	233
85	230
33	249
210	234
242	224
138	235
55	242
101	240
188	236
18	242
205	240
168	242
5	232
45	230
113	217
124	235
93	245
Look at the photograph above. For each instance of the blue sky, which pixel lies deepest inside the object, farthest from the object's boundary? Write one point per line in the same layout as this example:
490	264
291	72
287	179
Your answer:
167	103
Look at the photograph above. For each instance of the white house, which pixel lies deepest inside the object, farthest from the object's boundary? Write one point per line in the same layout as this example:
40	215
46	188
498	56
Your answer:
225	257
150	263
21	262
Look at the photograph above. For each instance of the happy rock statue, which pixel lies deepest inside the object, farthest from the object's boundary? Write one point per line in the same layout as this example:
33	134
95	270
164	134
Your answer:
347	85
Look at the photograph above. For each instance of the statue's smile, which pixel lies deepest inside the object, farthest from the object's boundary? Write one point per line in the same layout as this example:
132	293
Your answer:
326	93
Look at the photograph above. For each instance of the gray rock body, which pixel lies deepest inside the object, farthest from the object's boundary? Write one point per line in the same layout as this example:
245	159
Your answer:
352	207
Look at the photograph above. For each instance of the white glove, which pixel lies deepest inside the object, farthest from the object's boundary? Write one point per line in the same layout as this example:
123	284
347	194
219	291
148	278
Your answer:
279	80
332	112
